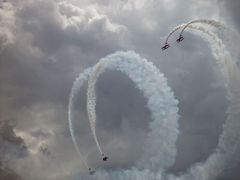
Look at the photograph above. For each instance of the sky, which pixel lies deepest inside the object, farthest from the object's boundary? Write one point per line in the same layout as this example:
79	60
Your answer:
45	44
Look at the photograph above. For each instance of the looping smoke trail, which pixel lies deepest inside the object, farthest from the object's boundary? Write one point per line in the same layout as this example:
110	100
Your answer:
229	139
91	102
71	106
218	51
161	102
213	23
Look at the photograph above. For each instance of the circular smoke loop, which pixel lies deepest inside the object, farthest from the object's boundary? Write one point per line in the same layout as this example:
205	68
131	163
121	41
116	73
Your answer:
160	146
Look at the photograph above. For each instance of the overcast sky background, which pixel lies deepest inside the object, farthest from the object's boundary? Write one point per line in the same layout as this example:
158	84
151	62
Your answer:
45	44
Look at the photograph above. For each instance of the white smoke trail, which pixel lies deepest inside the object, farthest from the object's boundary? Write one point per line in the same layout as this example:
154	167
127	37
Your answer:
91	102
71	106
213	23
218	50
161	103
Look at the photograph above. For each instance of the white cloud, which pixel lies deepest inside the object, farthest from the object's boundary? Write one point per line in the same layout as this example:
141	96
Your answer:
8	26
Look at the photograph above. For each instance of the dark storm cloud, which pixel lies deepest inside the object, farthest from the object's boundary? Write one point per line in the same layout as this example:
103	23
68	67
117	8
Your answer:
12	147
55	40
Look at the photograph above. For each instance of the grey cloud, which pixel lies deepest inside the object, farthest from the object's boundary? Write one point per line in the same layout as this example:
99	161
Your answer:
63	24
9	174
55	40
230	9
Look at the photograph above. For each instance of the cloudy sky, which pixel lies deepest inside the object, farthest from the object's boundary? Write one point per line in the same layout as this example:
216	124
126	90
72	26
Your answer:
45	44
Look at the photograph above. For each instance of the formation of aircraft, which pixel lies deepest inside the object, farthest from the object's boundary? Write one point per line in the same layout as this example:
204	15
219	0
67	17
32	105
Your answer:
166	46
